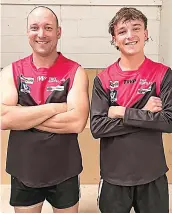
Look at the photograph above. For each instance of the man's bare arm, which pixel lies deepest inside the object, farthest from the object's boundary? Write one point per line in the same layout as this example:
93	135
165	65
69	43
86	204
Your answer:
18	117
74	120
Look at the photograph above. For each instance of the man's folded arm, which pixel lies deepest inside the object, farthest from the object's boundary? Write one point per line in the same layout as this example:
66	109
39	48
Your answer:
160	121
74	120
101	125
16	117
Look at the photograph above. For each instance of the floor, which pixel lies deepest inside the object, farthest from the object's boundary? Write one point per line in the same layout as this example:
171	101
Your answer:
88	203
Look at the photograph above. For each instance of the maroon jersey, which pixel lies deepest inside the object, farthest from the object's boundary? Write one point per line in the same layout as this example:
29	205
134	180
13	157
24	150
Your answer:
131	149
36	157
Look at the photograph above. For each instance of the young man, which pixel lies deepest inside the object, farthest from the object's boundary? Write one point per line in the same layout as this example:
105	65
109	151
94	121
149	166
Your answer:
131	108
40	106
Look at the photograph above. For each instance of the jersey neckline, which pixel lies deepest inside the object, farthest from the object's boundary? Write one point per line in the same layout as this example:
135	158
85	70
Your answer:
131	72
44	70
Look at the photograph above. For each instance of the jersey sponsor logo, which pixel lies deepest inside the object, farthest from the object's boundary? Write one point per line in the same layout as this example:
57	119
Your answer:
114	84
113	96
55	88
41	78
129	81
28	80
144	90
53	79
25	88
144	82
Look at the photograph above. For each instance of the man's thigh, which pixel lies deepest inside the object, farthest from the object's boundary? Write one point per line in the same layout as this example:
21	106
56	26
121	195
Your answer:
114	198
152	197
24	197
64	195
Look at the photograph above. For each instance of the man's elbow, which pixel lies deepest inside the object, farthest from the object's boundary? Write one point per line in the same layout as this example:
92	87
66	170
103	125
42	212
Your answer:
94	131
5	125
79	125
95	134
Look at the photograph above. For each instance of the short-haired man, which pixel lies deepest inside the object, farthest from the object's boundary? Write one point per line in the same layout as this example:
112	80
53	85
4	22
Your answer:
131	108
41	107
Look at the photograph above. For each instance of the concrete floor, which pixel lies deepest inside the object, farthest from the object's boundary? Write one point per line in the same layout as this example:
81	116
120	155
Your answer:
88	201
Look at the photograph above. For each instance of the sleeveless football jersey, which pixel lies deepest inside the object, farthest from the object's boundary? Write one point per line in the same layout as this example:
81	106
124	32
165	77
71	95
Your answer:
39	158
131	149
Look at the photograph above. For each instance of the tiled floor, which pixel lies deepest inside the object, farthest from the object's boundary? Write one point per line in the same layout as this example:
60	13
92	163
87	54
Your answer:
88	203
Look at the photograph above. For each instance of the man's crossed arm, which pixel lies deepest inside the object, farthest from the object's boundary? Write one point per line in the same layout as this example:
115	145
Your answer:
15	117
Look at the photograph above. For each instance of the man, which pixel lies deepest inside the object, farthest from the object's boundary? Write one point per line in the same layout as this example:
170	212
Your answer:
41	107
131	108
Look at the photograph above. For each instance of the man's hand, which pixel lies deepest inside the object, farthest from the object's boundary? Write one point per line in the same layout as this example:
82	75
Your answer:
116	112
154	104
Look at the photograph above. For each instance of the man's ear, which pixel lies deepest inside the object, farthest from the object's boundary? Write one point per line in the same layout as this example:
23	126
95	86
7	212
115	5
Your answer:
114	40
146	35
59	32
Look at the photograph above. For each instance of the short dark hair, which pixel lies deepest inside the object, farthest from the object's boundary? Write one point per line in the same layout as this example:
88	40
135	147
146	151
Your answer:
126	14
47	9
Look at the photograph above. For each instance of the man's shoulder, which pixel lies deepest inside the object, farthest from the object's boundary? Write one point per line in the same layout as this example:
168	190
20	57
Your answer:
24	59
157	65
104	72
65	59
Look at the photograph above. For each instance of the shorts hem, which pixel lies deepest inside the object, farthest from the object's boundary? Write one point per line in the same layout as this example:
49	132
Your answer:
15	204
65	206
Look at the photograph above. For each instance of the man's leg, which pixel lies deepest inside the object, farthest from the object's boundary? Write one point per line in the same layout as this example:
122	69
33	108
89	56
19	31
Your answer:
73	209
114	198
29	209
25	199
152	197
64	197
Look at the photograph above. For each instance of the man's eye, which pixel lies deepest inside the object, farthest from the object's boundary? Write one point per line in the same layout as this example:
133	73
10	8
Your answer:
34	28
48	28
136	29
121	32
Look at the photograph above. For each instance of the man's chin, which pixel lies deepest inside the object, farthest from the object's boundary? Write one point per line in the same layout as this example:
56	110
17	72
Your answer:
130	53
42	53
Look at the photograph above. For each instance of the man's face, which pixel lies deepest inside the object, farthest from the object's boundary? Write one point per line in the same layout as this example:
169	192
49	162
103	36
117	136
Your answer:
43	32
130	36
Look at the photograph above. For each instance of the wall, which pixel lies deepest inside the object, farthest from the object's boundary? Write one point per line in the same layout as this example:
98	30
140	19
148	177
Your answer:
165	56
85	35
85	39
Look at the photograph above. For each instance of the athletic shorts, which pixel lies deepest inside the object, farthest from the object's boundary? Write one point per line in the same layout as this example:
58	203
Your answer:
60	196
147	198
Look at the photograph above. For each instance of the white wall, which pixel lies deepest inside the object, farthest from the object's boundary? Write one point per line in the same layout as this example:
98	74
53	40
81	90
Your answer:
165	49
85	36
84	2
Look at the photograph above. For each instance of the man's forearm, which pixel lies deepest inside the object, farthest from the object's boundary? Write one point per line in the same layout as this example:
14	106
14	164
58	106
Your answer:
68	122
160	121
22	118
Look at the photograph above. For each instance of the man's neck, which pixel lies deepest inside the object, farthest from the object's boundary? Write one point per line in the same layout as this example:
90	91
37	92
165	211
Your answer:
130	63
44	62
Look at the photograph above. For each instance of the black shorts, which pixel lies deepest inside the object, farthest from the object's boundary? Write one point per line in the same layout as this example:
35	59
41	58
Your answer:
147	198
60	196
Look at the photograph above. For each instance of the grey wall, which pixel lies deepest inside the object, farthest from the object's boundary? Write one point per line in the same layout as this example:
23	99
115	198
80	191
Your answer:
85	35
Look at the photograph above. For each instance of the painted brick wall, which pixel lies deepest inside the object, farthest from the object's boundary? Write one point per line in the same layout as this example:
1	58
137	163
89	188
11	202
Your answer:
85	36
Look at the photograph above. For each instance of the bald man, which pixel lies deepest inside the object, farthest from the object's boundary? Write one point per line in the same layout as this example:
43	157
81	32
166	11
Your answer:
41	107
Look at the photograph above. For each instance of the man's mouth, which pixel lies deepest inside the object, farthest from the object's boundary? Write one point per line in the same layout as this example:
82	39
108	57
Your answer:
42	42
131	43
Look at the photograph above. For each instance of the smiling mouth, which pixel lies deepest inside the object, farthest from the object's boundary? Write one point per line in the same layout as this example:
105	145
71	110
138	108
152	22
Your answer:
41	42
131	43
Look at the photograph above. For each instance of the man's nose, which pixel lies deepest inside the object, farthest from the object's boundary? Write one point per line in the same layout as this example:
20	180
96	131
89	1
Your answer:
41	33
129	34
